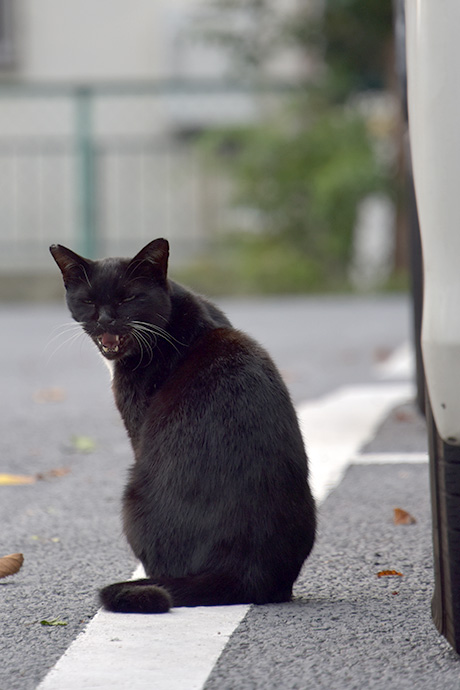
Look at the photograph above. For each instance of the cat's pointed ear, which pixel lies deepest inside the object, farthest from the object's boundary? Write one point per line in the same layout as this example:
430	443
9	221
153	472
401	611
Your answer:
152	260
73	267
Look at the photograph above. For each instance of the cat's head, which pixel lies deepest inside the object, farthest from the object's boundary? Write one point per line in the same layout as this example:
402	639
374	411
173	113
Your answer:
121	303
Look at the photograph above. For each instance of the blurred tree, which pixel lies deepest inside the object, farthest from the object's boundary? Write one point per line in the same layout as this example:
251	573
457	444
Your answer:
306	171
354	38
305	182
249	30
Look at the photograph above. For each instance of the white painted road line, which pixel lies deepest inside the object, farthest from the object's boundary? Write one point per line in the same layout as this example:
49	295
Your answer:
336	426
399	365
136	652
388	458
177	650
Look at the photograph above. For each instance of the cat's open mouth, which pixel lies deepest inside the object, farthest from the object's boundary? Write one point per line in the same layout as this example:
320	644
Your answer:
110	344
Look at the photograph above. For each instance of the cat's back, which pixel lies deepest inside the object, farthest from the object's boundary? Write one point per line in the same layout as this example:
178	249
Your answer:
227	388
220	453
226	360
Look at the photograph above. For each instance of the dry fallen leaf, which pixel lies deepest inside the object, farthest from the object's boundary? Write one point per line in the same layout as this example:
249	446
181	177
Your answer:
388	573
53	621
51	474
404	416
381	354
46	395
402	517
12	479
9	565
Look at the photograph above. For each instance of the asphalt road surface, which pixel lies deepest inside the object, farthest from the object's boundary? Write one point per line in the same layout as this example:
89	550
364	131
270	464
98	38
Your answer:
346	628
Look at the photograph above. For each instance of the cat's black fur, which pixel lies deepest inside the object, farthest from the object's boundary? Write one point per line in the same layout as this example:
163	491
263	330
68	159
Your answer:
217	507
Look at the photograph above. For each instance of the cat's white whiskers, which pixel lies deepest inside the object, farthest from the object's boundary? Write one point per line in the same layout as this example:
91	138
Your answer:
73	338
64	330
62	326
143	342
135	336
150	333
158	329
152	329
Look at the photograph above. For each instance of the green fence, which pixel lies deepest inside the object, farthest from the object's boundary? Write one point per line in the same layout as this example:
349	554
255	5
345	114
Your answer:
106	167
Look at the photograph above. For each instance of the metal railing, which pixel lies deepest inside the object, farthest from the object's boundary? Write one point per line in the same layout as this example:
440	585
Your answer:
102	167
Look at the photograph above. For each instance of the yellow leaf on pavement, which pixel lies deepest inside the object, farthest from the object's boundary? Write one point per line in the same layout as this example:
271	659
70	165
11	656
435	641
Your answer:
83	444
12	479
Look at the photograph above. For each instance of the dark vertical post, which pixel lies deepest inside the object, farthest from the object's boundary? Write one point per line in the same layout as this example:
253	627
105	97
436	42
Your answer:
86	179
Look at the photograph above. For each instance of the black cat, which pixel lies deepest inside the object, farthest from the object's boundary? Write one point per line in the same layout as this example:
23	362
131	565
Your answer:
217	507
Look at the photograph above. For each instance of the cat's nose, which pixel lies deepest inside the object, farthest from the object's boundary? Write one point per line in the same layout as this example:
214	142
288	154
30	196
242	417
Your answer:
105	319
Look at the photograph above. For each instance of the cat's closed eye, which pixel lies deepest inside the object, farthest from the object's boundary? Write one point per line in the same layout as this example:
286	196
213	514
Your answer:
128	299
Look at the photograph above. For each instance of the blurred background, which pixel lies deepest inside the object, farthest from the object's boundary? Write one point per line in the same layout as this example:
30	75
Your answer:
264	139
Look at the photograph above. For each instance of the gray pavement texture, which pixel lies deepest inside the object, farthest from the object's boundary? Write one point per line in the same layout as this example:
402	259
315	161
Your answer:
403	431
72	544
345	629
348	629
67	527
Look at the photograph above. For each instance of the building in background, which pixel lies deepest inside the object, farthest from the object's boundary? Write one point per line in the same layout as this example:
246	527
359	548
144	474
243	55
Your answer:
99	100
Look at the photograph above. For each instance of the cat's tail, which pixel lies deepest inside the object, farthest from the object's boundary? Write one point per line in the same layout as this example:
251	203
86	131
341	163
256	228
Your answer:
160	594
135	596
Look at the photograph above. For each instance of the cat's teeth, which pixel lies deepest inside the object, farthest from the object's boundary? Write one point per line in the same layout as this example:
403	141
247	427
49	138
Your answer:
109	343
113	348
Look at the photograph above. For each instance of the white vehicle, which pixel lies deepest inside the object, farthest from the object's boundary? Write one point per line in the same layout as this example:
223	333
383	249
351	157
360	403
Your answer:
433	90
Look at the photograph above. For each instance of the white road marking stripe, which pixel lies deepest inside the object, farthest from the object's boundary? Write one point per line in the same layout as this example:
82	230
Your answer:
169	651
336	426
399	365
177	650
387	458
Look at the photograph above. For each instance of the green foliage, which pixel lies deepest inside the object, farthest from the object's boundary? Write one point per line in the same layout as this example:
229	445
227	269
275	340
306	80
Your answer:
243	264
248	30
302	175
354	38
304	182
